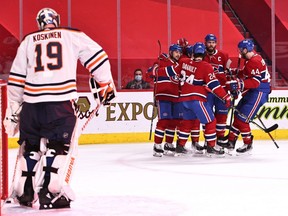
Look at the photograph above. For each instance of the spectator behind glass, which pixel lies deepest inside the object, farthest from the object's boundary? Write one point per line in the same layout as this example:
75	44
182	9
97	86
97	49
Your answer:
138	82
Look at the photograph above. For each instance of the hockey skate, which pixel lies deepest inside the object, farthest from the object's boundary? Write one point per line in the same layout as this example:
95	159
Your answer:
245	149
222	141
169	149
180	150
229	145
27	198
48	200
215	151
157	150
197	148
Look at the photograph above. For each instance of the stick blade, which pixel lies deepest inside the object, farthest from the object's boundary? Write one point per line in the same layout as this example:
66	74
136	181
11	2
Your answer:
272	128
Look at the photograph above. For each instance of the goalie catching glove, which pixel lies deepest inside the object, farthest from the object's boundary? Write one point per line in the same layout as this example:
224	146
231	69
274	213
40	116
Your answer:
103	93
11	120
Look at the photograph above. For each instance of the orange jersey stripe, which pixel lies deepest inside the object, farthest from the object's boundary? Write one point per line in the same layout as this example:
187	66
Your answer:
96	60
16	80
50	88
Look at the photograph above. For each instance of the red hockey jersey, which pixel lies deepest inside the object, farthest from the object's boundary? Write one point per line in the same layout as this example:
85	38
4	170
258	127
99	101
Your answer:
255	74
197	78
166	88
220	62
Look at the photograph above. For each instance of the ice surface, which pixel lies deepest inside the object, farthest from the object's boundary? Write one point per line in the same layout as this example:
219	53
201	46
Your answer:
125	179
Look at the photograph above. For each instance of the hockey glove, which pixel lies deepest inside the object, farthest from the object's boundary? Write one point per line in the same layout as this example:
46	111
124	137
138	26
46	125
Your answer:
231	72
163	57
11	120
235	85
235	94
107	92
152	70
227	100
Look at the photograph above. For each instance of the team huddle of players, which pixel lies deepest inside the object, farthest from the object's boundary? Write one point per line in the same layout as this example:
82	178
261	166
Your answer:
194	85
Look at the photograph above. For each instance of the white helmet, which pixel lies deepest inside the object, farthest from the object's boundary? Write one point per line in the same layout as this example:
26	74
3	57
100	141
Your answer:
47	16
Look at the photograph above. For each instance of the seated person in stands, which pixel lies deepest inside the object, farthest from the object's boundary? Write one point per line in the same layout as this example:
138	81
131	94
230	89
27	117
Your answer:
138	82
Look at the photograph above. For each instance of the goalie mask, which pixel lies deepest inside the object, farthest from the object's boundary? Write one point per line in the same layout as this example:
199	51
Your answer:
47	16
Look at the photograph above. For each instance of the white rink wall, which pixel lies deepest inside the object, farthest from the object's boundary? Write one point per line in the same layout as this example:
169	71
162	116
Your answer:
128	119
132	112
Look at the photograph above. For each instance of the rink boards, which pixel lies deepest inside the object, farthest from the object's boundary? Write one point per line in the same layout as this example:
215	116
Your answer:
128	119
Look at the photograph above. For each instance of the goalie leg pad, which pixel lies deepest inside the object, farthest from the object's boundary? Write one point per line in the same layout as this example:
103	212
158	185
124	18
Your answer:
54	179
24	179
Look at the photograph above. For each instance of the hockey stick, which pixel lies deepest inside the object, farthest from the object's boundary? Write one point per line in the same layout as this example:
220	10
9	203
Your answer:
15	119
160	48
269	130
154	91
95	91
92	114
151	125
264	128
12	193
233	98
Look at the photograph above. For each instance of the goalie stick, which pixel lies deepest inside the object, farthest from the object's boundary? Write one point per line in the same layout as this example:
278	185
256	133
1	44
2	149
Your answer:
95	89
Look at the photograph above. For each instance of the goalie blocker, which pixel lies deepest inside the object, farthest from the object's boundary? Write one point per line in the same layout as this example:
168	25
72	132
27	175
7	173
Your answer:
103	93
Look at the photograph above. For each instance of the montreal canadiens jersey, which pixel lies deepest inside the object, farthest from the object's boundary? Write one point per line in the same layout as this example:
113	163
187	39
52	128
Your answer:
220	62
44	68
255	74
166	88
196	76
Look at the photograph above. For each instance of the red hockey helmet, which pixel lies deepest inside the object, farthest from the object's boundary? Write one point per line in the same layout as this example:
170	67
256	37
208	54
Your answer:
182	42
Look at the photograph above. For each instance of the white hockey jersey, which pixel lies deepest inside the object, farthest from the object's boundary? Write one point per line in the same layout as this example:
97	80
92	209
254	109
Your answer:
44	68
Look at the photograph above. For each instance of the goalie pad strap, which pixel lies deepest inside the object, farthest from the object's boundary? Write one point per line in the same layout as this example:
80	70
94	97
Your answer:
59	147
50	169
28	174
25	172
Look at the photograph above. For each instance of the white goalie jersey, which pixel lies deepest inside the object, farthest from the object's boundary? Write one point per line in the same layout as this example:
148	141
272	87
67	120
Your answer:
44	68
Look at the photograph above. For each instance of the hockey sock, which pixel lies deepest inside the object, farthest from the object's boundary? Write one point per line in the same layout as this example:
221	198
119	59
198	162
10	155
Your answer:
160	130
184	131
245	131
170	131
195	131
220	124
210	133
